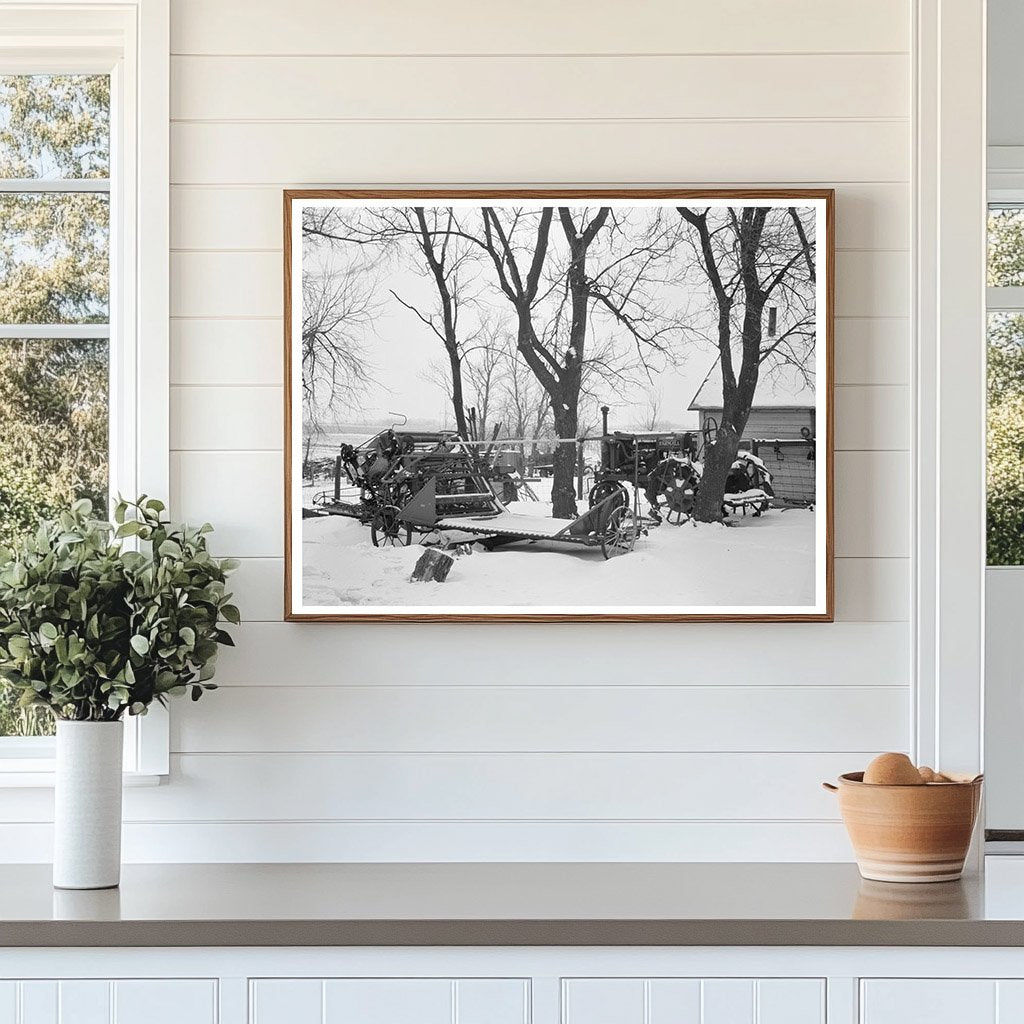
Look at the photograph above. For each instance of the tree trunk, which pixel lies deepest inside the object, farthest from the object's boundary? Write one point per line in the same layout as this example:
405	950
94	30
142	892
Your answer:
433	566
563	487
455	363
718	460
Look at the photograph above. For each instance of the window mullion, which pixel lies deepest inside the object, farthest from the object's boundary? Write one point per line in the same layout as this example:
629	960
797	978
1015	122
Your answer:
64	332
1005	299
54	185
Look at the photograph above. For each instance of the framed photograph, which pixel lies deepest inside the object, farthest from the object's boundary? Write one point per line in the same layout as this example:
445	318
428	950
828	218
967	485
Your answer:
558	405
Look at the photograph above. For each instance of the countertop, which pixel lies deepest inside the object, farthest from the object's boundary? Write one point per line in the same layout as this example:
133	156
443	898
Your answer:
518	904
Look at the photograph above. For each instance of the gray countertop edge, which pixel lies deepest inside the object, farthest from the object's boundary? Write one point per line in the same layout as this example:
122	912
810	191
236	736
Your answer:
510	933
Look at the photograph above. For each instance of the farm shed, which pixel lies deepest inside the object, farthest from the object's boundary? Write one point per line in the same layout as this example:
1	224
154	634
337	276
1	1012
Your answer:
781	428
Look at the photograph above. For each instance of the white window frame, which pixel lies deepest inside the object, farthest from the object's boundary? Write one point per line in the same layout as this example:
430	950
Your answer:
130	41
1003	721
949	442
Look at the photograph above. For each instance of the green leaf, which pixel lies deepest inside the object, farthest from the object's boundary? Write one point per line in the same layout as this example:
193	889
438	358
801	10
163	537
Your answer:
49	631
231	613
170	549
18	646
140	644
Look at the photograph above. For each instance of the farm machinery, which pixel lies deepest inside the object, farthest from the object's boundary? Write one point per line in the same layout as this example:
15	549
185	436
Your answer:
445	489
667	467
438	485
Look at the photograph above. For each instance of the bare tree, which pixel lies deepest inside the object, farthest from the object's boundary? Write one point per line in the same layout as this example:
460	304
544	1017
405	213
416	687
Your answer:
652	414
336	307
748	256
555	304
483	366
440	252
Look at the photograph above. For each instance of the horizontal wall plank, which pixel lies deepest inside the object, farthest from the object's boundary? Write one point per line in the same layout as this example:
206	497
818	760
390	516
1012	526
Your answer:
220	352
444	786
872	418
235	284
535	26
633	718
239	284
232	418
867	589
872	283
872	504
462	842
258	586
539	87
570	151
241	493
872	350
872	590
868	216
282	654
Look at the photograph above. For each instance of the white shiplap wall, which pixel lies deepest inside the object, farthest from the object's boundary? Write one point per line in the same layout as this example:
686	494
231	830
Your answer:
428	742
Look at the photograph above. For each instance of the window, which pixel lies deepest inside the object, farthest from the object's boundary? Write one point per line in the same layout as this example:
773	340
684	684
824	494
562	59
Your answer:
1005	476
84	126
54	309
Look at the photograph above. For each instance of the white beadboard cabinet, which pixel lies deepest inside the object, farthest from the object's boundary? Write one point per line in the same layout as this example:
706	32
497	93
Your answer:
106	1001
942	1001
513	985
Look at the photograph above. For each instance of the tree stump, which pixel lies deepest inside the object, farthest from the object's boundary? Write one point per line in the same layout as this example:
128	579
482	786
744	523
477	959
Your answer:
433	566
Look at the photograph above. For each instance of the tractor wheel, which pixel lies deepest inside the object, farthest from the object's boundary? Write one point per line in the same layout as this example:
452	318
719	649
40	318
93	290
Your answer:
388	531
680	499
620	533
607	488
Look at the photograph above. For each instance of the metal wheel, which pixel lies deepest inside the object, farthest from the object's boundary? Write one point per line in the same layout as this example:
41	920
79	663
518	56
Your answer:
620	533
606	489
388	531
680	499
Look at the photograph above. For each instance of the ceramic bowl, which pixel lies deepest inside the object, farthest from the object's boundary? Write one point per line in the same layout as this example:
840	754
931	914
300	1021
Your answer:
909	833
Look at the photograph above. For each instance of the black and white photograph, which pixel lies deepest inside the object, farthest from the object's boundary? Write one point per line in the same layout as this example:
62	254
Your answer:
558	405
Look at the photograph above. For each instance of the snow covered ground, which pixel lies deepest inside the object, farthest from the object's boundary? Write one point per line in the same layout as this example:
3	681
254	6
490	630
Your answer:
763	562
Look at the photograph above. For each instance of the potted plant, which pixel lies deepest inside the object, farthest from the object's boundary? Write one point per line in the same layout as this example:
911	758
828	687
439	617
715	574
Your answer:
99	620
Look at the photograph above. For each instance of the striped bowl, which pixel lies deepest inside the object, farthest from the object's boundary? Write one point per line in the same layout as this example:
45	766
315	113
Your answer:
909	833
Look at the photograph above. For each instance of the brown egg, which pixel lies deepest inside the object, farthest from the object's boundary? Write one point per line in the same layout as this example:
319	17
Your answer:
892	770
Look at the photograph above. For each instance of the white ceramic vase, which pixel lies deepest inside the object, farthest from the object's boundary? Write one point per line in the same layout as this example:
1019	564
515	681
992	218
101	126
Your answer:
87	806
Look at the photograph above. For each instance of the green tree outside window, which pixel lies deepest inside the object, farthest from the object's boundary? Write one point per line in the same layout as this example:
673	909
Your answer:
54	271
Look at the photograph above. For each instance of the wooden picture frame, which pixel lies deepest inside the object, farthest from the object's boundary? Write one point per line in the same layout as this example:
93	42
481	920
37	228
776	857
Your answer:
802	206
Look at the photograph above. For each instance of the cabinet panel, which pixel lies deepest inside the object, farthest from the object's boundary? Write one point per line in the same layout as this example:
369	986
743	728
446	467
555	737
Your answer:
8	1002
929	1001
389	1001
1010	1002
102	1001
286	1001
674	1000
727	1001
693	1001
790	1001
492	1001
603	1001
39	1002
165	1002
84	1002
